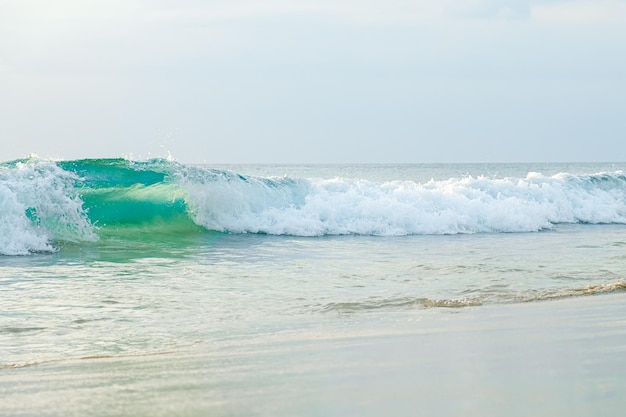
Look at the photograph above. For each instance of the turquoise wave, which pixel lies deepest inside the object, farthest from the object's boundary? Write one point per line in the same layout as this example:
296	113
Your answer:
46	202
118	193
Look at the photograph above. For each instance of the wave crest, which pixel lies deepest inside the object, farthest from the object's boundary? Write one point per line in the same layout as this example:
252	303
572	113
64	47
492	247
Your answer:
343	206
39	204
43	202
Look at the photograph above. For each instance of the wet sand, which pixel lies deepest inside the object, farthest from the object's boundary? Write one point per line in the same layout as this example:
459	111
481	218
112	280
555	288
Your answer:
562	357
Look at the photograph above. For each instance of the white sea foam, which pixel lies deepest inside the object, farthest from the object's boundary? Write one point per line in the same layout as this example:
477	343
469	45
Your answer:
227	202
40	202
38	205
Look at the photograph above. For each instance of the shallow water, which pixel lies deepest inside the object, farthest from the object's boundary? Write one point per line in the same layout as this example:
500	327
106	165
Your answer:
110	300
560	357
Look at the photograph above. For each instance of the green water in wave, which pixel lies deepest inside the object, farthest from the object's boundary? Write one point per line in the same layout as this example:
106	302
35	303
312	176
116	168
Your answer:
123	198
97	173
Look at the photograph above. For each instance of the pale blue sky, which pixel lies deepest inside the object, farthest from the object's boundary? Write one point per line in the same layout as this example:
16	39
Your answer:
314	81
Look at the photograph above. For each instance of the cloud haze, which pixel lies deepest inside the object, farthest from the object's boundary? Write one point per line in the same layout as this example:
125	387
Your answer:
314	81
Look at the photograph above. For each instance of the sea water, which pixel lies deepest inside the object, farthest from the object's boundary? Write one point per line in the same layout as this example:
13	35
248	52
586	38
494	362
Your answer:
229	280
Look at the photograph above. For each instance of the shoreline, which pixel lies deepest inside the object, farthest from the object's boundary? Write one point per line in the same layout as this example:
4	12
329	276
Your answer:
556	357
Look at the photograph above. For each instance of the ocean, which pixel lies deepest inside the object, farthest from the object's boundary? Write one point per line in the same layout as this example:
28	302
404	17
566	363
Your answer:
156	288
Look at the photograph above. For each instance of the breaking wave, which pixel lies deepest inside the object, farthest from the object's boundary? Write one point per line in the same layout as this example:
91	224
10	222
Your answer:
46	202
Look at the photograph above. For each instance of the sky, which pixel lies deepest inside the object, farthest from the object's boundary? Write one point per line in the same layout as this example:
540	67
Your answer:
314	81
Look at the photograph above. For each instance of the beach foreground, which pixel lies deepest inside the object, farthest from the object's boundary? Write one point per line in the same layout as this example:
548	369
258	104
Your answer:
564	357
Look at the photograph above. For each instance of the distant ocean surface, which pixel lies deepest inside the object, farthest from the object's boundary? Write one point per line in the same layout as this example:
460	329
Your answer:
112	258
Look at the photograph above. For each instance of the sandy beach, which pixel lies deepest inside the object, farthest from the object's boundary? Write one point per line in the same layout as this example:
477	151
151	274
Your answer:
560	358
